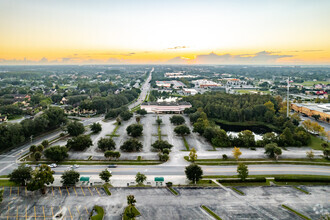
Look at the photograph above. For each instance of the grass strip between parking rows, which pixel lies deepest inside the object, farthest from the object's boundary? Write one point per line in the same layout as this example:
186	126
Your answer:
173	191
106	189
302	190
100	213
186	143
210	212
134	210
295	212
238	191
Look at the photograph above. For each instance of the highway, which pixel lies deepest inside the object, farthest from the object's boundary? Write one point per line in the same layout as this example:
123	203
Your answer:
208	170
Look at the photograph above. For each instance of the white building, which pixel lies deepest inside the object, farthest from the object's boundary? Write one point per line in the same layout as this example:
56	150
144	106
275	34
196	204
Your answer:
203	83
165	107
189	91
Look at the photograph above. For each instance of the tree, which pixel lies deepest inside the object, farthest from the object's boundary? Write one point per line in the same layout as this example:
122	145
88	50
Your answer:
37	155
242	171
141	112
105	175
56	153
96	128
118	120
33	148
126	115
140	178
182	130
131	145
41	177
269	137
134	130
159	121
112	154
21	175
177	119
286	138
45	143
194	173
75	128
221	139
316	117
70	178
1	196
79	143
40	148
310	154
246	138
326	153
237	153
161	145
138	119
106	144
192	155
200	125
272	150
163	156
131	200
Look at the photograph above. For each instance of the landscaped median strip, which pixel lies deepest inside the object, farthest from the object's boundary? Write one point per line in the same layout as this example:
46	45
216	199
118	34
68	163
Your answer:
210	212
302	190
238	191
173	191
295	212
106	189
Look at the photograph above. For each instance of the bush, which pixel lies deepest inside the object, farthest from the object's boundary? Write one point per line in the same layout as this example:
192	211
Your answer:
224	156
141	112
169	184
56	153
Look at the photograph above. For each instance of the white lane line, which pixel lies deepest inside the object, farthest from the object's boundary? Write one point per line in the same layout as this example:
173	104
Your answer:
6	167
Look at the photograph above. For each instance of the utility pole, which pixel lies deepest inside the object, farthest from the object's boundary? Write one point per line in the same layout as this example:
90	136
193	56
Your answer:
287	98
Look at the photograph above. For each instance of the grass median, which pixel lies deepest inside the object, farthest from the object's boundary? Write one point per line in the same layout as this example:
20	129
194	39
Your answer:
295	212
211	212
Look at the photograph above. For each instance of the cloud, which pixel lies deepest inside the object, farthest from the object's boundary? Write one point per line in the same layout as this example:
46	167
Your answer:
177	47
312	50
262	57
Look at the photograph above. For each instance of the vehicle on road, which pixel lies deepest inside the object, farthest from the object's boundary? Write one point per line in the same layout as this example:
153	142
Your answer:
75	166
53	165
112	166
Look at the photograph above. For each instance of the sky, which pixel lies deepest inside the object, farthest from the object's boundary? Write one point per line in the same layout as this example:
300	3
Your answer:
284	32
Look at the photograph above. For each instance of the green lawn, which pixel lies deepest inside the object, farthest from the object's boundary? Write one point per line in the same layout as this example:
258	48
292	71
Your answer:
133	209
106	189
311	83
173	191
295	212
100	213
185	143
315	143
238	191
205	183
7	183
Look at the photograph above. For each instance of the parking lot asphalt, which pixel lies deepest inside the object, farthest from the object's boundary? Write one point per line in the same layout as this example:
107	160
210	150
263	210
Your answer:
159	203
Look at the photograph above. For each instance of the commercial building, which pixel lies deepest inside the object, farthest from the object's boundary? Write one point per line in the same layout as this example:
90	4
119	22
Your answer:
178	75
203	83
189	91
165	107
313	109
167	84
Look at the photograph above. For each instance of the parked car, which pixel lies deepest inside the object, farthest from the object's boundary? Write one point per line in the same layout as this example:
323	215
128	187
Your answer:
112	166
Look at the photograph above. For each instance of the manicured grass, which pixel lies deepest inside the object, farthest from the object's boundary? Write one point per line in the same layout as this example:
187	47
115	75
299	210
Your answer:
304	191
211	212
135	108
315	143
186	143
205	183
133	209
113	133
7	183
292	176
246	123
247	184
106	189
311	83
266	162
238	191
295	212
100	213
4	176
173	191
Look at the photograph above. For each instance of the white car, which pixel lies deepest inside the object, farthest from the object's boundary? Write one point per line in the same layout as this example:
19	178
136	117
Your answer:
75	166
53	165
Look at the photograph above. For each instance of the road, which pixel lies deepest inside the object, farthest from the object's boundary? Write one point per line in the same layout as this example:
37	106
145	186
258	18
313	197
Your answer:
208	170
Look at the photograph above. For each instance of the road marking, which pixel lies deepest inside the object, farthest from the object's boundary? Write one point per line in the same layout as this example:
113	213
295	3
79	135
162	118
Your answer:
82	191
17	213
8	213
25	212
77	210
90	191
10	192
18	191
35	214
70	212
67	190
51	208
43	211
86	210
60	190
97	191
75	191
53	191
6	167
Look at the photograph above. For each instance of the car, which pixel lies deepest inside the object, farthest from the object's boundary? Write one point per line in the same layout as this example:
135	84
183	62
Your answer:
112	166
53	165
75	166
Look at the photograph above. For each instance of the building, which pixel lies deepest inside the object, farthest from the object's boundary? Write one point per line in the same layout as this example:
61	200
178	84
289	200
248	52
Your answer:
203	83
168	84
178	75
189	91
165	107
313	109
